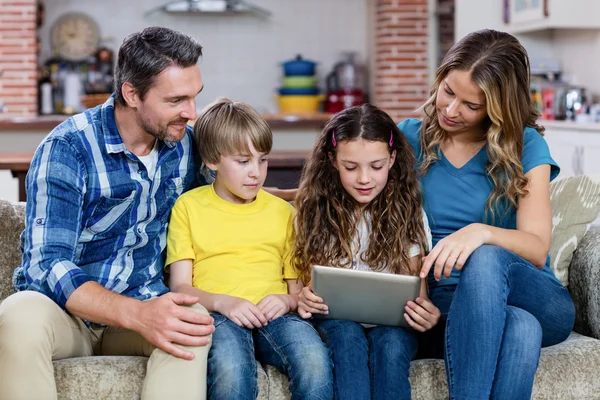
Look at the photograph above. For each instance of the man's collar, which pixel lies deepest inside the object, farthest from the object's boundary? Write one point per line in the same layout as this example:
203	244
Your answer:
112	139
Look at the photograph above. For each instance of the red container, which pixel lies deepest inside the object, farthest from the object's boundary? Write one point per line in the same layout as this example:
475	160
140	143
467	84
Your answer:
339	100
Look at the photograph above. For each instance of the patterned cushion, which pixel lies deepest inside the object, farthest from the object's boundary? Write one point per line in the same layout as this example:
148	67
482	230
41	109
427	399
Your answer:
575	204
12	217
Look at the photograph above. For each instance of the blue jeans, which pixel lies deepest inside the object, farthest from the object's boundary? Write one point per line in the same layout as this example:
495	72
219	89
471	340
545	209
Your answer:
289	343
494	324
368	362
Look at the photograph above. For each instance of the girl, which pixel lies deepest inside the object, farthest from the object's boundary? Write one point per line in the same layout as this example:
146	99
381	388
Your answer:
485	173
359	207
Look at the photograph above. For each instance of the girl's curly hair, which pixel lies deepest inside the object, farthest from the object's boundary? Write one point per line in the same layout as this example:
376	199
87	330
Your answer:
327	216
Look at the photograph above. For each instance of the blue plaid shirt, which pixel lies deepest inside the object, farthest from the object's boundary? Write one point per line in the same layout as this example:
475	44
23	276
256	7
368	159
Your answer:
94	214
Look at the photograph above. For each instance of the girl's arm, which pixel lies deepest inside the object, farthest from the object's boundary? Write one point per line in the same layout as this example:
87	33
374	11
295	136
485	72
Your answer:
531	239
421	314
240	311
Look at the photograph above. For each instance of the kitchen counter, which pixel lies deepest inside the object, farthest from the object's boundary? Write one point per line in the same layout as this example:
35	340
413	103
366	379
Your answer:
276	121
570	125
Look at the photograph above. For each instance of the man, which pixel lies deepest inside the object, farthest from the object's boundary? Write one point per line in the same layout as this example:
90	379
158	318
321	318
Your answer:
100	189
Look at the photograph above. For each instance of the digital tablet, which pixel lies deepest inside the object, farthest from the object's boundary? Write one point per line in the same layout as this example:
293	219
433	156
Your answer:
364	296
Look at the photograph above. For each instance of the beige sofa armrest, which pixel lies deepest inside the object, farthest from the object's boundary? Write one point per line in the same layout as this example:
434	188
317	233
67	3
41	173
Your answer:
584	280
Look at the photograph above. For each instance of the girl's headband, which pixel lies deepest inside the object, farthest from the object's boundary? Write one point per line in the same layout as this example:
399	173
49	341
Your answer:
334	142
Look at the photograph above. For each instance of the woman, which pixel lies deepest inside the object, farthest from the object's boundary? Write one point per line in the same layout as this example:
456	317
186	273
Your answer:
485	174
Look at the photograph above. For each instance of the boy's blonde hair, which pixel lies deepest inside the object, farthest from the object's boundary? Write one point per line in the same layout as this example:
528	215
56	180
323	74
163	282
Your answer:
224	128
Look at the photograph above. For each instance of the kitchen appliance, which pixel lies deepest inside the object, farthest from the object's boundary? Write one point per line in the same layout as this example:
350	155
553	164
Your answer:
577	104
345	85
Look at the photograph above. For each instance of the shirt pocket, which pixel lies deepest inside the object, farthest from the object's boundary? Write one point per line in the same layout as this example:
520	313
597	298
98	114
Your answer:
111	217
166	197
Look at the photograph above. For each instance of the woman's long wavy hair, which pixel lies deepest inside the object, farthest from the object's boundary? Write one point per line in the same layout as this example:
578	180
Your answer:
327	216
499	65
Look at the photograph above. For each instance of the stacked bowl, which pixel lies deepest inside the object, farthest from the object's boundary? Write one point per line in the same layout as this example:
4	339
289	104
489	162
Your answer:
299	92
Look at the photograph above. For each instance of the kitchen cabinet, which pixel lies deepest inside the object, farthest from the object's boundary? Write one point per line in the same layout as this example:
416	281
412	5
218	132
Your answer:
575	148
528	16
565	152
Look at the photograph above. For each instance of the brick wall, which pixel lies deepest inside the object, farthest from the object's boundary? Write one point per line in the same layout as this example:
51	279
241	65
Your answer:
401	81
18	58
401	56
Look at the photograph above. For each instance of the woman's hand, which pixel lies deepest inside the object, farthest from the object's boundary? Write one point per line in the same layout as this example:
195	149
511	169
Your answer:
421	314
309	303
454	250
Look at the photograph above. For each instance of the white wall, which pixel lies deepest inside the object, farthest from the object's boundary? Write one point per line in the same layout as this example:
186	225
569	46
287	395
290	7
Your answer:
579	52
242	53
472	15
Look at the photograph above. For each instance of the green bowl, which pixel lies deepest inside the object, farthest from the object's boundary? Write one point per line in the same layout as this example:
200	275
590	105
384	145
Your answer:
309	81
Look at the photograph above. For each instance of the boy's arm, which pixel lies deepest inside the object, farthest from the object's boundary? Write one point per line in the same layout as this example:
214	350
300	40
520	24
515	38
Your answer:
180	281
240	311
294	288
276	305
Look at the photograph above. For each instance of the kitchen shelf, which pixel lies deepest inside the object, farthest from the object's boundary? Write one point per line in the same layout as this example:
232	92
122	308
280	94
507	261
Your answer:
275	121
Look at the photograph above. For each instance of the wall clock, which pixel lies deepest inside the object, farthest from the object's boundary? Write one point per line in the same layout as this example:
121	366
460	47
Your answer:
75	36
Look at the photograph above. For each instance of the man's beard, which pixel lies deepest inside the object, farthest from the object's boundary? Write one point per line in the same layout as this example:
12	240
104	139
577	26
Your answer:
162	132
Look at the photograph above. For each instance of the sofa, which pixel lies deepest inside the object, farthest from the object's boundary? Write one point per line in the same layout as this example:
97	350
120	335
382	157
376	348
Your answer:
566	371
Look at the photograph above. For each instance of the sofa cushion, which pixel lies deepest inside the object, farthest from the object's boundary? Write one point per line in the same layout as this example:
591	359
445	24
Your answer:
12	217
575	204
567	371
121	377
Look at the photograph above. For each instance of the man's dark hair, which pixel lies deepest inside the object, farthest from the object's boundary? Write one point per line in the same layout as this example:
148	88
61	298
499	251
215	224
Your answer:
144	55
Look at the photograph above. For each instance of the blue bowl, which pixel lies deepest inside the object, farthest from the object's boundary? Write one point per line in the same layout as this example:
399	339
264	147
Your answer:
298	91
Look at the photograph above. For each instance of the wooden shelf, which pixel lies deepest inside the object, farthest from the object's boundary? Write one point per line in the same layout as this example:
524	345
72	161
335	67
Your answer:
276	121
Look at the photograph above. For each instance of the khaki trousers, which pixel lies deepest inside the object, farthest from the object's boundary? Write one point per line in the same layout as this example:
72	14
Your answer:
34	331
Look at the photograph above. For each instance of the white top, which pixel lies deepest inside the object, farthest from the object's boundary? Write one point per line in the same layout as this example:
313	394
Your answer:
150	160
361	243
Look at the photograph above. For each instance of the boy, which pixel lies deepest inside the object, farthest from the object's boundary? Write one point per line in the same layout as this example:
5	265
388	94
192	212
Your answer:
229	244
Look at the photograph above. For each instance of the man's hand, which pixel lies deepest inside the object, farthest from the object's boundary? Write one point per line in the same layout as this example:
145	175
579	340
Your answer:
276	305
309	303
164	322
242	312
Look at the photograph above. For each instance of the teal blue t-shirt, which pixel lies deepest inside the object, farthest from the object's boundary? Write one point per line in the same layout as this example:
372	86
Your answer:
456	197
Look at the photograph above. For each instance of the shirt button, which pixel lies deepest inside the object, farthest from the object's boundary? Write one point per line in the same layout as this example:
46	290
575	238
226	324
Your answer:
129	254
140	171
139	230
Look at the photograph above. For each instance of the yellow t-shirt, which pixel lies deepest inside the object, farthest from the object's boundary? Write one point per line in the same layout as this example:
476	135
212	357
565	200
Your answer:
241	250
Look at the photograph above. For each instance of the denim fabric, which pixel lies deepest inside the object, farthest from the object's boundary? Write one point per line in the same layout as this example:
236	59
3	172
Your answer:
494	324
369	363
94	214
289	343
